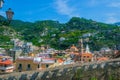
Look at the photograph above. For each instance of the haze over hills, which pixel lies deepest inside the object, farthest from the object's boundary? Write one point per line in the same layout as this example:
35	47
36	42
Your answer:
62	35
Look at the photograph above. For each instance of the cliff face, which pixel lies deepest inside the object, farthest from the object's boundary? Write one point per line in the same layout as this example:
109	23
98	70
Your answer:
91	71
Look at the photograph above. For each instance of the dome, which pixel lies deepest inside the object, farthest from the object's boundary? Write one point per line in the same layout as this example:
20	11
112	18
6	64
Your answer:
73	48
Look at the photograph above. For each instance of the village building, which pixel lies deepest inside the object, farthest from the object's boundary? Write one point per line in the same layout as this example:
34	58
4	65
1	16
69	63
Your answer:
33	63
116	54
81	54
106	52
27	63
86	56
73	48
47	62
6	64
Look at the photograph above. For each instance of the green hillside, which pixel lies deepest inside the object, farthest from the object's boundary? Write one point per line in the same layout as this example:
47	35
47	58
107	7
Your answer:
6	34
61	36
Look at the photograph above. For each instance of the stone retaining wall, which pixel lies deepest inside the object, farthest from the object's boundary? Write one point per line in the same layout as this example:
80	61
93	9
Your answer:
109	70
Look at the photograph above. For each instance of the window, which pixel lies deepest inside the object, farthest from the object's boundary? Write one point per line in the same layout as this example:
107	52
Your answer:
89	60
5	65
38	66
20	67
47	65
55	60
28	67
3	70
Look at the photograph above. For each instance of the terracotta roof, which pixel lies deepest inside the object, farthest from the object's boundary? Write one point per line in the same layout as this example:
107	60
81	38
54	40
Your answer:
73	48
60	60
103	59
6	62
86	54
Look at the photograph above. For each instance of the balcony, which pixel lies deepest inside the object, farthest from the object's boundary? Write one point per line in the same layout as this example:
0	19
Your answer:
5	68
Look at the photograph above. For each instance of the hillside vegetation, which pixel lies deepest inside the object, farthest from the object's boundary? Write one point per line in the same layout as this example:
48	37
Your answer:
61	36
6	35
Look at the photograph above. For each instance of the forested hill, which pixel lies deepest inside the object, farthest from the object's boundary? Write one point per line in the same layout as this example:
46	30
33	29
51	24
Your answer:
61	36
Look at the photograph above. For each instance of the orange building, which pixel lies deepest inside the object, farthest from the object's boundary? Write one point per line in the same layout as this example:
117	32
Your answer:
86	56
83	56
60	60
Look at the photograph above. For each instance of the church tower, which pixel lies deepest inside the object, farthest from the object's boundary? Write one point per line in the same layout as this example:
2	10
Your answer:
81	48
87	49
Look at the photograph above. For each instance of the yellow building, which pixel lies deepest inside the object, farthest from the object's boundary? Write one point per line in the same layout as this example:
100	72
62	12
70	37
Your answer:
32	63
46	62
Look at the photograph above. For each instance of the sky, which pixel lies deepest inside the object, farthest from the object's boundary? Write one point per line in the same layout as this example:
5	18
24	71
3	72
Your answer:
107	11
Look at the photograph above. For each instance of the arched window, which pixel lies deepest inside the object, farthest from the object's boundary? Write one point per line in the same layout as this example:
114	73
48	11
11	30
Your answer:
20	67
47	65
38	66
28	67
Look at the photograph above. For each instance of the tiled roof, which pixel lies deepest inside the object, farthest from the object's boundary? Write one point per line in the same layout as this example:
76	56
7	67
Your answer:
6	62
73	48
86	54
103	59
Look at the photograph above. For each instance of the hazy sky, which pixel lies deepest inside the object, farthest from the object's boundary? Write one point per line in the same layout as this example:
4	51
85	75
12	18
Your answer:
107	11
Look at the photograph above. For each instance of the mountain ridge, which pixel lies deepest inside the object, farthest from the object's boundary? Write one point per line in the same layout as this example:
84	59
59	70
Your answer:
62	35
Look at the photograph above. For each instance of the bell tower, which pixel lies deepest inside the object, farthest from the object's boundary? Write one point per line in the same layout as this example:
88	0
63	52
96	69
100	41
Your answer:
87	49
81	48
